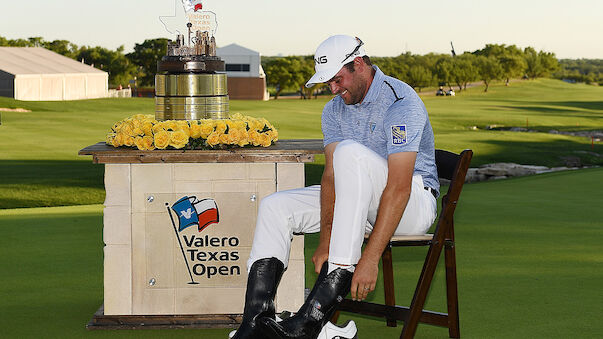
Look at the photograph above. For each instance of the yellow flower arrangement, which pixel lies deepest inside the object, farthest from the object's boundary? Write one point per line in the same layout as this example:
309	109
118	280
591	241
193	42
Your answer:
145	133
178	139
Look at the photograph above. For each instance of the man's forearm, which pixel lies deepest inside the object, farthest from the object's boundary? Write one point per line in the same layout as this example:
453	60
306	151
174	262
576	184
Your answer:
391	208
327	205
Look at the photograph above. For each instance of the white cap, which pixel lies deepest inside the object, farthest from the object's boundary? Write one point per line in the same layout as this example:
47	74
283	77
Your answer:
332	54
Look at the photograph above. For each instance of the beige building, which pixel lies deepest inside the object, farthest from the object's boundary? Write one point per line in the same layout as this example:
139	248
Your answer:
246	78
37	74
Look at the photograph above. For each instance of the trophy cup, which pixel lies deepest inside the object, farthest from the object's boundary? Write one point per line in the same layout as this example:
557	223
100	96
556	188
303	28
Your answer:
190	83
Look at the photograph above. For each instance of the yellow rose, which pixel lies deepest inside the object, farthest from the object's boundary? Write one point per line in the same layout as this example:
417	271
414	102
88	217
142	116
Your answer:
224	139
170	125
273	135
221	126
136	123
129	141
144	143
118	140
126	129
239	124
207	127
213	139
178	139
195	130
116	126
233	136
115	142
237	116
139	116
162	139
137	131
158	127
254	137
243	139
264	140
109	138
147	128
257	125
186	130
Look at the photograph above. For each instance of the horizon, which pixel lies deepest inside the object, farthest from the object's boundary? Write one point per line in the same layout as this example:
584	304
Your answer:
276	28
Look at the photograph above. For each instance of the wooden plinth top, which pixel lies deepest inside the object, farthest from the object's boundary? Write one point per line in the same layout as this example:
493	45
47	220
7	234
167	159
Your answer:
300	150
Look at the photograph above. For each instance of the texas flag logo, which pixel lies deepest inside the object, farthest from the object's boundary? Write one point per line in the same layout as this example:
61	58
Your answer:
192	5
197	5
191	211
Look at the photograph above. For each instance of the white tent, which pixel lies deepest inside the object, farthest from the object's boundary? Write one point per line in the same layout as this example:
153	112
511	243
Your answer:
35	74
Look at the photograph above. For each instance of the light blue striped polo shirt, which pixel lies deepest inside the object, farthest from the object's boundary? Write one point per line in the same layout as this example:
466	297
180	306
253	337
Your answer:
391	119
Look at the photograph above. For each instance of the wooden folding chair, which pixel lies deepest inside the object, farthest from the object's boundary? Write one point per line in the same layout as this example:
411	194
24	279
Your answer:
453	167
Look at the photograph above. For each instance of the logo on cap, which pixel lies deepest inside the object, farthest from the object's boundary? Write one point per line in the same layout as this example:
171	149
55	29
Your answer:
321	59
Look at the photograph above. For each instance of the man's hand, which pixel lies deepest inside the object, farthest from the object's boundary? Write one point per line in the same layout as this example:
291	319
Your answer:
320	256
365	278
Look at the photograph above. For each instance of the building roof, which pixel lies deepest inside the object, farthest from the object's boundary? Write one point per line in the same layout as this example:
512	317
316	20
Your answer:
234	49
38	60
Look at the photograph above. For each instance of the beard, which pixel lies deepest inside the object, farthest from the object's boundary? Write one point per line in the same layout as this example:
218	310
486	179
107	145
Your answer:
355	93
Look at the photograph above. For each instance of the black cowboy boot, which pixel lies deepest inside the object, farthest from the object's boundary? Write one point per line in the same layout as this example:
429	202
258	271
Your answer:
329	290
263	279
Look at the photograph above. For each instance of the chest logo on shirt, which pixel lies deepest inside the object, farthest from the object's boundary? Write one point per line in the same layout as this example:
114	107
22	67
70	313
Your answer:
398	134
372	126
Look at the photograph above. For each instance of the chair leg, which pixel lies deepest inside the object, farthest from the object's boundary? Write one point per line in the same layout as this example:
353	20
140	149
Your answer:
418	300
388	282
335	317
452	291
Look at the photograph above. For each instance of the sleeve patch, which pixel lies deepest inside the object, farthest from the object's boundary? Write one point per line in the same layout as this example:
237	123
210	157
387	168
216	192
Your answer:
398	134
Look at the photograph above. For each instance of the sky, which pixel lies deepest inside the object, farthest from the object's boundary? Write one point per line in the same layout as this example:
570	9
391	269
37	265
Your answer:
570	29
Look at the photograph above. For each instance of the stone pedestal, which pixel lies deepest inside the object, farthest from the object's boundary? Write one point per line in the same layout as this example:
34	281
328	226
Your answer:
158	262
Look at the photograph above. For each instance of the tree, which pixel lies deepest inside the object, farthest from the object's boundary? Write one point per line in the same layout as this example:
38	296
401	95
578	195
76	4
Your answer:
533	66
145	56
443	69
113	62
62	47
489	69
396	67
463	70
284	73
549	63
419	76
512	62
306	71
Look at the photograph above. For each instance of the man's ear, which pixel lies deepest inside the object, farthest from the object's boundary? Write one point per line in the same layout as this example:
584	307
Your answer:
358	62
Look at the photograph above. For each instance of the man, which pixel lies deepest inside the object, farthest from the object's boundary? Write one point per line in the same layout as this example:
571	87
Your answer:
380	177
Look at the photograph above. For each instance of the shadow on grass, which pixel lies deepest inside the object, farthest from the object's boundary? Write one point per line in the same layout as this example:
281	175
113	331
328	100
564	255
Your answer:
550	153
591	105
577	109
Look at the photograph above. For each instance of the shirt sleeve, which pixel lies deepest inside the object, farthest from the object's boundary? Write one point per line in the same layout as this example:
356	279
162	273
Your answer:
403	124
331	127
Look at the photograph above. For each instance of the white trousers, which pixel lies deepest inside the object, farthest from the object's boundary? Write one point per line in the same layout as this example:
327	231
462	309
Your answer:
360	178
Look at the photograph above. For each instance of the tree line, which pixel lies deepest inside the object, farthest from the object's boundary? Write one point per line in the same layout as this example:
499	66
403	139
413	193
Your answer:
589	71
493	62
286	74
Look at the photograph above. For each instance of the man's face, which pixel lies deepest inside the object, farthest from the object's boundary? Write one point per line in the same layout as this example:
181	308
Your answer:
348	85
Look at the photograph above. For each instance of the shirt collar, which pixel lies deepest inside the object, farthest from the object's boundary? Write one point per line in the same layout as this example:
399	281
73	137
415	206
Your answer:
373	91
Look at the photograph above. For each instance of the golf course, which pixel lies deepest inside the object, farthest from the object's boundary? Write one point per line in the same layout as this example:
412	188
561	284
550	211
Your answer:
529	252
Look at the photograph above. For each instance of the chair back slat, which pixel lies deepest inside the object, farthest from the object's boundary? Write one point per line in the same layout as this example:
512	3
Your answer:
446	163
459	163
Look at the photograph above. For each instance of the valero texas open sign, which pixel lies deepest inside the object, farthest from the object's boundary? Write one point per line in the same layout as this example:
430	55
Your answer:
199	249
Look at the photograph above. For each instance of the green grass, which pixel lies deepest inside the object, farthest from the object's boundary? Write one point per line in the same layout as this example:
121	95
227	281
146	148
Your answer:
529	256
39	165
529	253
